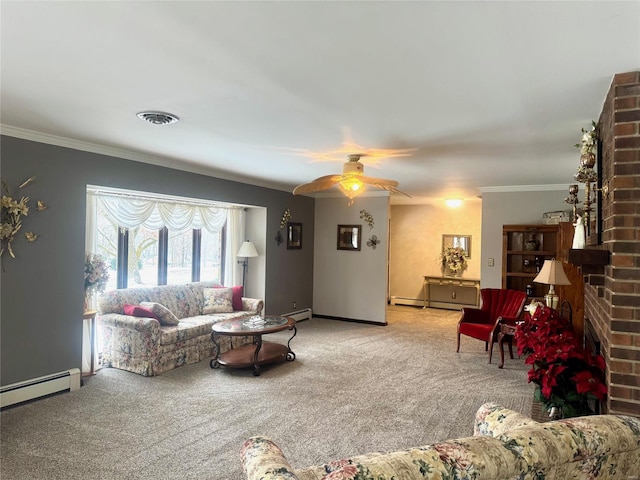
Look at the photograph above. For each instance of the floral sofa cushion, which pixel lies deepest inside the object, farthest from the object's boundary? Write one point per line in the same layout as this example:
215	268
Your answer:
506	445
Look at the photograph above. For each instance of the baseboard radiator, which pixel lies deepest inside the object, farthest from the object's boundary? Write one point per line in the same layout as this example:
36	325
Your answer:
39	387
417	302
299	315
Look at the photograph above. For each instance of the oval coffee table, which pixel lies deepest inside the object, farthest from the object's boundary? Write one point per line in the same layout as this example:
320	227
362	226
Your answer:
257	353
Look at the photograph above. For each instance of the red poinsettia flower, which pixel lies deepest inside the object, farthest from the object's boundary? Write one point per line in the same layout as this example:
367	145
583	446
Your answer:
566	374
586	382
550	378
561	347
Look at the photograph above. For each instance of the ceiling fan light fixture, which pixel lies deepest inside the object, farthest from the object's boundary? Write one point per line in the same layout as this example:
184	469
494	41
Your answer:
158	118
351	183
351	188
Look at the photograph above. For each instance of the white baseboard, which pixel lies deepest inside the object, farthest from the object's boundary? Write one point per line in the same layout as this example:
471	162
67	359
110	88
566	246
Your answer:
418	302
39	387
299	315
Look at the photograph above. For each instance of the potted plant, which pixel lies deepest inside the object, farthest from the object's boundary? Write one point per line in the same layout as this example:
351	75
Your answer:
453	260
569	379
96	276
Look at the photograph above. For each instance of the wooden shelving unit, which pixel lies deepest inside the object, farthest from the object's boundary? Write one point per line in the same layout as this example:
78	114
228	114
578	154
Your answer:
521	263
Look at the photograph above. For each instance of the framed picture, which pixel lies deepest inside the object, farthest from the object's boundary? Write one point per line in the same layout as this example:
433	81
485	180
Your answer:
349	237
462	241
294	236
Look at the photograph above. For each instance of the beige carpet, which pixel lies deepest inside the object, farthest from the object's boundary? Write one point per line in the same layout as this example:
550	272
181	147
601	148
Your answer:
353	388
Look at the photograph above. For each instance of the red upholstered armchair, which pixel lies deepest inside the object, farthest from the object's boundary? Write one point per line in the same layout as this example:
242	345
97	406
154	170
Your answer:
496	306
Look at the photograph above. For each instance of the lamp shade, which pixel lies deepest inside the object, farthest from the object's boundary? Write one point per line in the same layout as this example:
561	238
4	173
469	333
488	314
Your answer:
247	249
552	273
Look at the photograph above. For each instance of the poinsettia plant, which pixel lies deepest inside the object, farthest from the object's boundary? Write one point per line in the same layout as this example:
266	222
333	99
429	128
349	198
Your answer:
566	375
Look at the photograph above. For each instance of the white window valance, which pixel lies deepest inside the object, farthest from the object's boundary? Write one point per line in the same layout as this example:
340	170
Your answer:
154	214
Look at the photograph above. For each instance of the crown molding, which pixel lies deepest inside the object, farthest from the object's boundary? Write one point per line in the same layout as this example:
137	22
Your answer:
524	188
160	161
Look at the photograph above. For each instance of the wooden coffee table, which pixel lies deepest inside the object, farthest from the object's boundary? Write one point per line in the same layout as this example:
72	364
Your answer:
257	353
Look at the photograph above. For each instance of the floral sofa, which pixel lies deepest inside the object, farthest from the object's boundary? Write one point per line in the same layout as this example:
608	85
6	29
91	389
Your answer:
145	346
505	445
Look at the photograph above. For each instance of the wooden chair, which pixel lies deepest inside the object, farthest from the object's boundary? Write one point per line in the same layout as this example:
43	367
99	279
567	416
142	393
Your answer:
497	305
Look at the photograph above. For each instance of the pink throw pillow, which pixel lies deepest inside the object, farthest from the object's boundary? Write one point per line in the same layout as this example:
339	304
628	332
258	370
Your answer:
138	311
236	300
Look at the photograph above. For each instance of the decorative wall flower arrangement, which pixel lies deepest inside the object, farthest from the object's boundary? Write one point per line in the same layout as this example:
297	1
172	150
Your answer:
368	218
373	242
567	376
286	216
11	217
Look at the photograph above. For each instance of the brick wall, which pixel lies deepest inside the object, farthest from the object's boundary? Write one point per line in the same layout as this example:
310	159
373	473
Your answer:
612	300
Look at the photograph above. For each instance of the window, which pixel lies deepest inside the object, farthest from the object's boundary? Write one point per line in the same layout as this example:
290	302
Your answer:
140	255
211	255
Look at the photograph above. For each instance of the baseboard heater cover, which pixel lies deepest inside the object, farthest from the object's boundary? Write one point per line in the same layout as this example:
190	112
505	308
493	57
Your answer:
299	315
39	387
417	302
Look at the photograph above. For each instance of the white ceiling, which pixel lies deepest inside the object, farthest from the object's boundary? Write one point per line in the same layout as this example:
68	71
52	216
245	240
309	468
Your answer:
485	94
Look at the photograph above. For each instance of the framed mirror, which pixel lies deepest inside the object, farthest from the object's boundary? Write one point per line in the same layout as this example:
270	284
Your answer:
462	241
349	237
294	236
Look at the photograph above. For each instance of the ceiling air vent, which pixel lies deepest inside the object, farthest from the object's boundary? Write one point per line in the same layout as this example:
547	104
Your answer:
158	118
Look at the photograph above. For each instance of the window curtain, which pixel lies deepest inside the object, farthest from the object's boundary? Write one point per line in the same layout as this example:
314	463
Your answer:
89	246
156	214
235	237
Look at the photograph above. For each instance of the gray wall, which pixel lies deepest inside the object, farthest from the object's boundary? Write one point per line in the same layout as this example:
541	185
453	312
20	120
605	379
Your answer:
351	284
42	290
512	208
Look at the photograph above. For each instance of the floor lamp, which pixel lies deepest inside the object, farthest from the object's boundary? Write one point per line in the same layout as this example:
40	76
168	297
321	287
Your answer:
247	250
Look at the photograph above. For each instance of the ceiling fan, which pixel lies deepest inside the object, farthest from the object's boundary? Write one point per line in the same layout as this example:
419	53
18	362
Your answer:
352	182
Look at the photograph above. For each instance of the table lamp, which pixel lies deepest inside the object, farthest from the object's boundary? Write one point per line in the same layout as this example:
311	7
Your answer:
552	273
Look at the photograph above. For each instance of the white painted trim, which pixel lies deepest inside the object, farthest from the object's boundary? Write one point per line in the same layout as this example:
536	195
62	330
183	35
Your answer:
417	302
299	315
130	155
524	188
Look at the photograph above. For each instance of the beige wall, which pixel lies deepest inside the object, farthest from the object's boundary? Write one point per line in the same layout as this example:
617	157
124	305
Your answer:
416	242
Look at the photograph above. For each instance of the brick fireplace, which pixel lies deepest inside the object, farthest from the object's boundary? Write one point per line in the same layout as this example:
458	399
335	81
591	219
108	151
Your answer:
612	290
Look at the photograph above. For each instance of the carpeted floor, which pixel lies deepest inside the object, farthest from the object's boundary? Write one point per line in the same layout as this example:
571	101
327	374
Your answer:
353	388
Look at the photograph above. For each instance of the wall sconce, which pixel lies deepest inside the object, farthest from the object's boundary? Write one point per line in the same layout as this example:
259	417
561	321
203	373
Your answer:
453	202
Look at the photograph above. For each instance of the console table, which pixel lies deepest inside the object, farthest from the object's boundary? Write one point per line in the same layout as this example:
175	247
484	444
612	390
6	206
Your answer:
451	292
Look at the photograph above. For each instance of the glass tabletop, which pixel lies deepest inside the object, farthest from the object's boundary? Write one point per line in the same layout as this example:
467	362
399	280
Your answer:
251	325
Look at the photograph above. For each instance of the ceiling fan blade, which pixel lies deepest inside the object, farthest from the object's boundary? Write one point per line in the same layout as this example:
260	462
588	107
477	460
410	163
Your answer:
392	190
318	185
384	184
377	181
